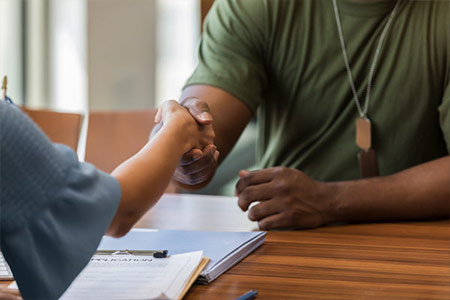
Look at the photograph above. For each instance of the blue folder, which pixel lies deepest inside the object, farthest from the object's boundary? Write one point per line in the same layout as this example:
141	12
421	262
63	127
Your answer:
224	249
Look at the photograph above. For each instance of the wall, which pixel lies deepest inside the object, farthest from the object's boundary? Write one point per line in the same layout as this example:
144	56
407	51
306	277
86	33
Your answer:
121	54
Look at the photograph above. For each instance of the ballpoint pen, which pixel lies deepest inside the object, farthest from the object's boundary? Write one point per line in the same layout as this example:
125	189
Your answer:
154	253
5	83
249	295
3	91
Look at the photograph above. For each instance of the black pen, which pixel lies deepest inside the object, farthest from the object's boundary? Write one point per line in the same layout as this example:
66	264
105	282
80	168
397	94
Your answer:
154	253
249	295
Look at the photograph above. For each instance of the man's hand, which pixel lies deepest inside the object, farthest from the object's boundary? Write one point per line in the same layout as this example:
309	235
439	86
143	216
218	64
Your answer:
198	165
287	198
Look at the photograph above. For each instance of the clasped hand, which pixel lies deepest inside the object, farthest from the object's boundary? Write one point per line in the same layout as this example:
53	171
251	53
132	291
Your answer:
197	165
284	198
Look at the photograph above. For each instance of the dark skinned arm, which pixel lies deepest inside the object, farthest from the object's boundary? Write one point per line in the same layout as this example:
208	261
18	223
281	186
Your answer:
290	199
287	198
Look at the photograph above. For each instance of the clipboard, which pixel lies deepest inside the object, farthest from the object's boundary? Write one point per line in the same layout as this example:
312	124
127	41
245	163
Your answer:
5	271
100	278
154	253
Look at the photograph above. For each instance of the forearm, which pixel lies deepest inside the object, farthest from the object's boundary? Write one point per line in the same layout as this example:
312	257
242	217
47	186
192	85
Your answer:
421	192
144	177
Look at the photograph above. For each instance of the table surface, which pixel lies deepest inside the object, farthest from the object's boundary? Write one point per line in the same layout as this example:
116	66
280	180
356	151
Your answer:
364	261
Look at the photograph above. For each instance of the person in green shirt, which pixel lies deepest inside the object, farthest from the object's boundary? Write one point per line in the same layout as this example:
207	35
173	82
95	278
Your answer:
308	70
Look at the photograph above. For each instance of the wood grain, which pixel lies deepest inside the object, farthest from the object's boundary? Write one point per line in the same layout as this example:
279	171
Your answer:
370	261
409	260
360	261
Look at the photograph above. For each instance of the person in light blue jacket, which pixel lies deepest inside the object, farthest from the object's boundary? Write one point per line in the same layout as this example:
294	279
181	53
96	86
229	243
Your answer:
54	209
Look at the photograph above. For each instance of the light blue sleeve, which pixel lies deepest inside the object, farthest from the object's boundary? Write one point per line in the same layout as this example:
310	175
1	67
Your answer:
53	209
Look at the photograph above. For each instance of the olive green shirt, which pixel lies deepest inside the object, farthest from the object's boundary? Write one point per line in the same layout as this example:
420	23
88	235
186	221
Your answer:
283	60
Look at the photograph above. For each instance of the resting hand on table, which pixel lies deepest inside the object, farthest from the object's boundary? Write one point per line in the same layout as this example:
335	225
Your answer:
287	198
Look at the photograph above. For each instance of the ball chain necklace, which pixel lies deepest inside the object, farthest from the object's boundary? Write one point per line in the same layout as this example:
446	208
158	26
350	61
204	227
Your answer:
366	156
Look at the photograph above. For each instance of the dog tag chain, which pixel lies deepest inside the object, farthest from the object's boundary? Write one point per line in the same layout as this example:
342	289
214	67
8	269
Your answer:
367	156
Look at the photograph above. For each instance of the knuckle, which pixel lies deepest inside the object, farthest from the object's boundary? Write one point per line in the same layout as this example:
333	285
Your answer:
239	187
246	194
281	187
200	105
188	101
253	214
243	181
242	203
279	170
169	105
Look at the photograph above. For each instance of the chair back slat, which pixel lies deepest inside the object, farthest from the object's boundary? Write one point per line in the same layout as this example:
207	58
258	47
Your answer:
114	137
60	127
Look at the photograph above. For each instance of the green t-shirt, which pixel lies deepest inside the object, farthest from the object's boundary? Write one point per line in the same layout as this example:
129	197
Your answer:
284	61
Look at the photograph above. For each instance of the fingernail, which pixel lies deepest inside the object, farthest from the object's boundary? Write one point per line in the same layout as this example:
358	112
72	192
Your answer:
206	116
242	173
216	155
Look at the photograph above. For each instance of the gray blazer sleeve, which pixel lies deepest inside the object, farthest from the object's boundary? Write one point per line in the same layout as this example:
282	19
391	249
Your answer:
53	209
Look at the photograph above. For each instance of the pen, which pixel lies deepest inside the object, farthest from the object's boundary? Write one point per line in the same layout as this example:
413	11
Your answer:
5	83
155	253
249	295
3	92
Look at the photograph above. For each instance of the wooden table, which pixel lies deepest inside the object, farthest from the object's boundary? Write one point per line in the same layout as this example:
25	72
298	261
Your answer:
365	261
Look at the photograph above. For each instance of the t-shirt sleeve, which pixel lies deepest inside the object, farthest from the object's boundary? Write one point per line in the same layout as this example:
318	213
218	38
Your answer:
231	50
54	209
444	115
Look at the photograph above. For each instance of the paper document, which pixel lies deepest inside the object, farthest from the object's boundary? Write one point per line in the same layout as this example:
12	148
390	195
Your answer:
5	271
134	277
224	249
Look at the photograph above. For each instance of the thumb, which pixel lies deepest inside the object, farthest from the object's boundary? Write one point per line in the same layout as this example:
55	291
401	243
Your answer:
198	109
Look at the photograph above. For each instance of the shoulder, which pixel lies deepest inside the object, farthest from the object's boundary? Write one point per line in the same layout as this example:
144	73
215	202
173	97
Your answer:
253	22
249	15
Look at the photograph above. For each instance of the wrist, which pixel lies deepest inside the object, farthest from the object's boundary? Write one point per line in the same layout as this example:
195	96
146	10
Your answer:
179	134
336	209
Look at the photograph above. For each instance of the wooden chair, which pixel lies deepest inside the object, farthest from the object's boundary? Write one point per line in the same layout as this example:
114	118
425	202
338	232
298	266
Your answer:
60	127
113	137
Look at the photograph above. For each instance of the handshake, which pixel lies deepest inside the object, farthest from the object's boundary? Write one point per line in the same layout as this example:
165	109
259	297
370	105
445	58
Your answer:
190	123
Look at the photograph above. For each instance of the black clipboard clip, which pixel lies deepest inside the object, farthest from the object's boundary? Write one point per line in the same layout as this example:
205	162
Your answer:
154	253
